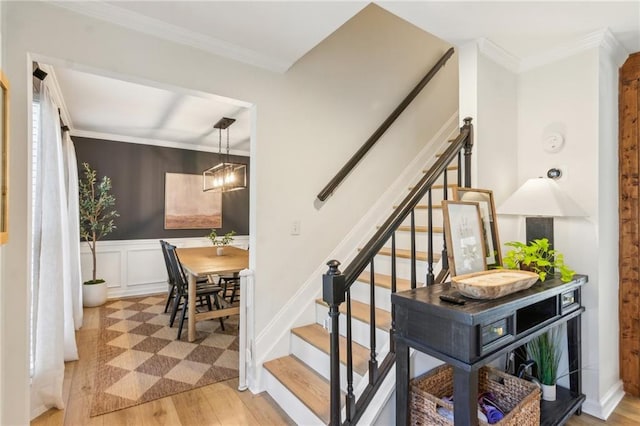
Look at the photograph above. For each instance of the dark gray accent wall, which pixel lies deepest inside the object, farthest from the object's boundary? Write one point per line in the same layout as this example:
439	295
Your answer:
137	174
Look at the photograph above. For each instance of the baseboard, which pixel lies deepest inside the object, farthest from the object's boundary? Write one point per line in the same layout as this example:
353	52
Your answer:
603	408
273	341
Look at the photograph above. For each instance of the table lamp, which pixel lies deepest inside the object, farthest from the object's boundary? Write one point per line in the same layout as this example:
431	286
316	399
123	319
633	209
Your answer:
540	200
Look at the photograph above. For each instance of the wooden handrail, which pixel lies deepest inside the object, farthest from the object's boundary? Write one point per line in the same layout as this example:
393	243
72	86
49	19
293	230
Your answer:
336	285
362	259
355	159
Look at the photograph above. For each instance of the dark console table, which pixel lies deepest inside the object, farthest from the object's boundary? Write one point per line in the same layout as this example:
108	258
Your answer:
471	335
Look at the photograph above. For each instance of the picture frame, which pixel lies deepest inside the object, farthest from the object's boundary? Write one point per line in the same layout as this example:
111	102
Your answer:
484	198
4	159
464	237
187	206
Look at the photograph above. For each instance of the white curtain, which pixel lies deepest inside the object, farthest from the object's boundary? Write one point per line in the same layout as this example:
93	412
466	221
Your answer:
57	300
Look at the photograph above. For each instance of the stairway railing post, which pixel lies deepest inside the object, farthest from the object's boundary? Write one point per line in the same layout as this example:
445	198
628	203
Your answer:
333	293
468	146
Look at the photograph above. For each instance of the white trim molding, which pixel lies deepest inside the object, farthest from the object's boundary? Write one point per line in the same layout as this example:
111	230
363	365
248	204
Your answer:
602	38
499	55
603	408
595	39
136	267
154	27
612	47
154	142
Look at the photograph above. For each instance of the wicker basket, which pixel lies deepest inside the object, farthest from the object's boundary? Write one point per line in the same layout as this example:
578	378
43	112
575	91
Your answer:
519	397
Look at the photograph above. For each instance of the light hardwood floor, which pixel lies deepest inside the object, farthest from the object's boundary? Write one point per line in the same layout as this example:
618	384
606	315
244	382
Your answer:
627	413
217	404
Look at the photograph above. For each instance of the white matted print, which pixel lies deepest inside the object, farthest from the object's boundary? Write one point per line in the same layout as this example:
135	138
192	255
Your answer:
186	206
484	198
464	236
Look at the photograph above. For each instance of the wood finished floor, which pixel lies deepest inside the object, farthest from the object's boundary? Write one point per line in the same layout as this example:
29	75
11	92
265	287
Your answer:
627	413
217	404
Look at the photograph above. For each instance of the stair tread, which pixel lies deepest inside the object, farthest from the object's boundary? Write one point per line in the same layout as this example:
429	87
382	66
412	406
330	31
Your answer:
438	186
306	384
406	254
383	280
425	206
450	168
360	311
421	229
317	336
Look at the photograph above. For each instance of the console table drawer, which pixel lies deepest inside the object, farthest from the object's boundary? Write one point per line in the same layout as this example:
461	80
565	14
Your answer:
496	333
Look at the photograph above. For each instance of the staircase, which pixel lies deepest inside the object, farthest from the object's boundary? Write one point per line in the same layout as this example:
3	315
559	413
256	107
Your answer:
400	256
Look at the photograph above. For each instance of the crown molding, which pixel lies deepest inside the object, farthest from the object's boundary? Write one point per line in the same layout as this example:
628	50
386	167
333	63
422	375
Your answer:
155	142
565	50
137	22
499	55
613	48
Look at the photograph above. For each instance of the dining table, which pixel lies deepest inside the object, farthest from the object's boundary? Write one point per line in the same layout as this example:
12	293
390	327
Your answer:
200	262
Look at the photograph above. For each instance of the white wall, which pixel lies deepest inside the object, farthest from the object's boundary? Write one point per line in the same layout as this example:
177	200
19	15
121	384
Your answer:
308	121
573	97
576	96
496	130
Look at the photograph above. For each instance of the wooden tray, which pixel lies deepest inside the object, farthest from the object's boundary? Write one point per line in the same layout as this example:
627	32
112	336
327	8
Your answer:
494	283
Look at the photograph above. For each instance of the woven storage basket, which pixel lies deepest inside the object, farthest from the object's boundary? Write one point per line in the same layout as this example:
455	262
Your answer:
520	398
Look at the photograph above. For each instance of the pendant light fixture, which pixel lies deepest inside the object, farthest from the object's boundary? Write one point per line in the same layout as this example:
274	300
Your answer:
226	176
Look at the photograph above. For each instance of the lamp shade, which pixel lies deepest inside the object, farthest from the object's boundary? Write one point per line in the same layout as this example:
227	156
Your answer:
541	197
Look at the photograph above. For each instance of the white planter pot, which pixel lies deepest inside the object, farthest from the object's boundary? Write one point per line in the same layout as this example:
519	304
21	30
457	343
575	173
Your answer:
94	294
220	251
548	392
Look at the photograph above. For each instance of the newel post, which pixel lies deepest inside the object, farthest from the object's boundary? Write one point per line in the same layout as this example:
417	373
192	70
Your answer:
333	293
468	145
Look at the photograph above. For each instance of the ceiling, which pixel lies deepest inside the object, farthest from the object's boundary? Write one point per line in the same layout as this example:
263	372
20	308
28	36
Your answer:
274	35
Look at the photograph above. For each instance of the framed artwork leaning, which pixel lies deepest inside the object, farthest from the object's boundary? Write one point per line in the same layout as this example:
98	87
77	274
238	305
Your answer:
484	198
464	237
186	206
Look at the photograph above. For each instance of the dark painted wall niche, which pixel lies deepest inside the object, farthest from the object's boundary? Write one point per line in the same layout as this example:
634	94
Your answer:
137	175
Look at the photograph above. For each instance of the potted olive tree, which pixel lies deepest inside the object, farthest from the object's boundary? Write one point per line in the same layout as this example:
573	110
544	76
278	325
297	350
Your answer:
97	213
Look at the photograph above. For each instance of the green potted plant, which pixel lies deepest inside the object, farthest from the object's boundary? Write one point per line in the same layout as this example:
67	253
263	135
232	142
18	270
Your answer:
220	241
546	351
536	257
96	220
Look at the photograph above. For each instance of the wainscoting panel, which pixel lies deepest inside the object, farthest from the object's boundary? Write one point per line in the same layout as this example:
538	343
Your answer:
153	271
136	267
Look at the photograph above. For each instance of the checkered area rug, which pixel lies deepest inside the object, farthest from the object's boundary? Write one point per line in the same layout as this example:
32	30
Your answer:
139	358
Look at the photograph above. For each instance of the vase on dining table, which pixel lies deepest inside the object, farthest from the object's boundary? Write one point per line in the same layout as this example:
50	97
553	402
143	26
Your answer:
220	251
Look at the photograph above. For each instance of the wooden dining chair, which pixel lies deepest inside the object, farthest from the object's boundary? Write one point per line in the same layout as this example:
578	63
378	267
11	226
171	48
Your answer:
231	283
171	281
206	291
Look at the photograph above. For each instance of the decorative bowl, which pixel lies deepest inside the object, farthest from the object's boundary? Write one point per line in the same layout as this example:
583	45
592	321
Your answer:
493	283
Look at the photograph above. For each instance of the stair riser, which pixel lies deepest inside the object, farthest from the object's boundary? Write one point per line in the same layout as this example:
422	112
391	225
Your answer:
382	265
359	329
403	241
298	412
362	293
421	216
319	361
